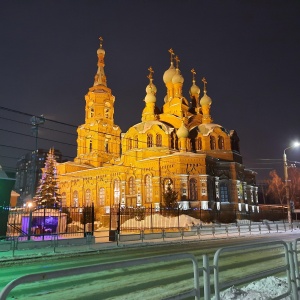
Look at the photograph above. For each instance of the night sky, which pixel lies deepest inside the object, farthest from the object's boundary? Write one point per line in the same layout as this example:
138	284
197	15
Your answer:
249	52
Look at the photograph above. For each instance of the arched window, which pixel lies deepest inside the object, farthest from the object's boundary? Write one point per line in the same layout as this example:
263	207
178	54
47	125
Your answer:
158	140
212	143
136	144
106	112
148	188
168	182
131	186
88	197
199	144
223	188
75	199
116	191
193	189
221	142
106	145
91	145
129	143
102	196
149	140
92	112
63	199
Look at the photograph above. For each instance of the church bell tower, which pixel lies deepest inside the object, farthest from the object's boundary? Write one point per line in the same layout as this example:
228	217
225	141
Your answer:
98	138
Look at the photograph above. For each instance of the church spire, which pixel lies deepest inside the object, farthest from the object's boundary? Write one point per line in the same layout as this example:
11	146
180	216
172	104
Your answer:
148	113
100	78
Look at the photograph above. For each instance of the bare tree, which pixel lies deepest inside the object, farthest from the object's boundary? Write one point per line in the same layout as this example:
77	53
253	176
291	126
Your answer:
276	188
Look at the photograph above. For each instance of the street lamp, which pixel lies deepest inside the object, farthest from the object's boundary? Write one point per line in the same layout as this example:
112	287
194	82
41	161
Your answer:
286	180
35	122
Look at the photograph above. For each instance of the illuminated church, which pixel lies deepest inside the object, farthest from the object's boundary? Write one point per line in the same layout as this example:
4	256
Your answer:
177	144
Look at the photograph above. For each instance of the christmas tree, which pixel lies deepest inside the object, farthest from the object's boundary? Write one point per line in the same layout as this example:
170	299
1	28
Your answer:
47	194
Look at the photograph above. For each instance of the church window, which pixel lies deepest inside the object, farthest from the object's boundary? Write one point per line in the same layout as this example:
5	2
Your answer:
223	188
212	143
199	144
149	140
148	188
88	197
129	143
106	112
136	142
131	186
75	199
193	189
106	145
116	191
102	196
221	142
91	145
63	199
92	112
158	140
168	182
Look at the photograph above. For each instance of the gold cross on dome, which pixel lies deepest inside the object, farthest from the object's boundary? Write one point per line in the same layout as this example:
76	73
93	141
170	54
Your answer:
194	73
151	72
177	61
172	53
101	40
205	83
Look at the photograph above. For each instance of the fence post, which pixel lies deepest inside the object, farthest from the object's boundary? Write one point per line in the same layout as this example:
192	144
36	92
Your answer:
259	228
54	238
142	235
206	277
292	271
29	225
239	229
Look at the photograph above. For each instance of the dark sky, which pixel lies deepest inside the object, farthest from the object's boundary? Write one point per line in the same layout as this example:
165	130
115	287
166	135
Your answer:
249	52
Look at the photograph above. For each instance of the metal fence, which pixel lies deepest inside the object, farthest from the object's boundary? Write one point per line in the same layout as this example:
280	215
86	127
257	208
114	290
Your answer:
287	270
82	220
136	218
43	222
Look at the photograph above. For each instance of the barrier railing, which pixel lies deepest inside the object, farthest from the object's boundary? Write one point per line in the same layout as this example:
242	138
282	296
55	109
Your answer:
195	291
287	267
288	252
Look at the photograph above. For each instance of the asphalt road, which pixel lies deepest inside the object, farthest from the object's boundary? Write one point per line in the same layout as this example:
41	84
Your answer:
154	281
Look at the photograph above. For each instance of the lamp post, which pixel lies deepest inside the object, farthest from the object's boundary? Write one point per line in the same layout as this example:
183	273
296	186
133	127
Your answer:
286	180
35	122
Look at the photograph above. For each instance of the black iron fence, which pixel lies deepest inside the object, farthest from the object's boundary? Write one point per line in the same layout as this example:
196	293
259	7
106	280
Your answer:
45	222
130	218
81	221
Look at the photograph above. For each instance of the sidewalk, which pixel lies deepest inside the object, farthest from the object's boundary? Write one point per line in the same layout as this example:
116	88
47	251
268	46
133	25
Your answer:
102	243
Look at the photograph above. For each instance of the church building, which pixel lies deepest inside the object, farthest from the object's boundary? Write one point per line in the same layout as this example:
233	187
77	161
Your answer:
176	145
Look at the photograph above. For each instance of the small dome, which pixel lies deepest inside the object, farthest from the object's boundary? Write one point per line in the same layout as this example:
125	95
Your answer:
182	132
177	78
101	51
168	75
194	89
150	98
205	100
151	88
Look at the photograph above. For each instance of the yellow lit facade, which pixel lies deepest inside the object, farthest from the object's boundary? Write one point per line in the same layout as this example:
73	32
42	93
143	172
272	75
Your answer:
177	144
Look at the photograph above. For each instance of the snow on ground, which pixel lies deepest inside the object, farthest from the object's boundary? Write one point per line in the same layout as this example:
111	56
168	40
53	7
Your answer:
159	221
265	289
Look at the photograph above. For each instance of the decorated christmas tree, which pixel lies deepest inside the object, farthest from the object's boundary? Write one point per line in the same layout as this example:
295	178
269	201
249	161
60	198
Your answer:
47	193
